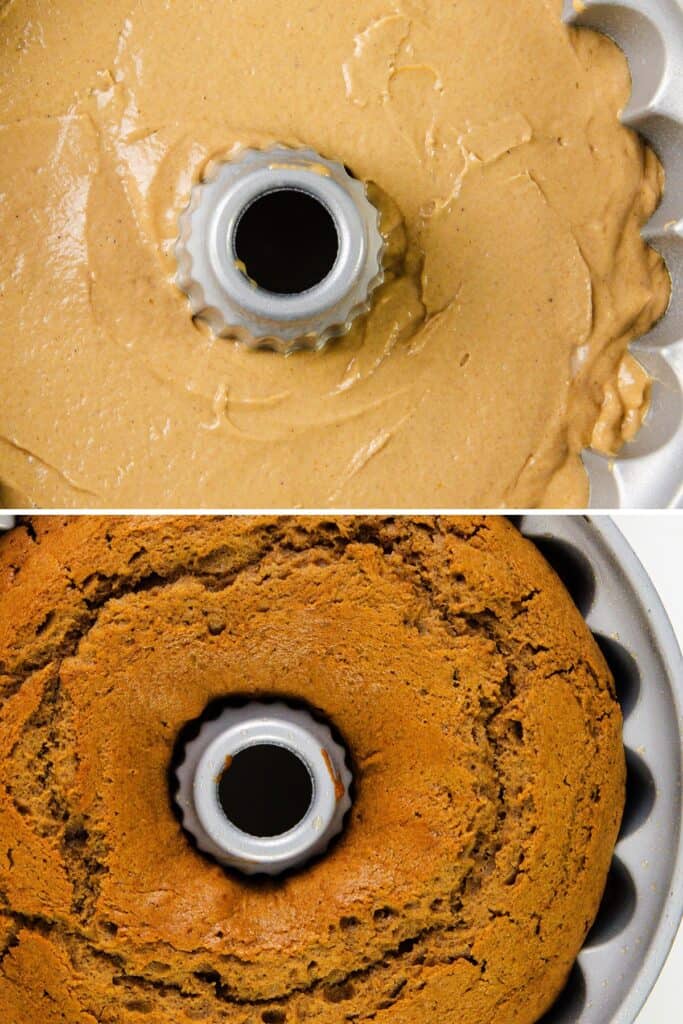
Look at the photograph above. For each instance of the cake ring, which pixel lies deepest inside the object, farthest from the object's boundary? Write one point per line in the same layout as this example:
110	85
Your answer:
458	684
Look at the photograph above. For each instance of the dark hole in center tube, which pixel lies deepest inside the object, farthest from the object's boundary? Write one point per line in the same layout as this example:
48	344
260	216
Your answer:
265	790
287	241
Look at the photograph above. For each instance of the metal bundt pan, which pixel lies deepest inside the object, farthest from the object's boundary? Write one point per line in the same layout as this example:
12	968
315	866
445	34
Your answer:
648	471
643	902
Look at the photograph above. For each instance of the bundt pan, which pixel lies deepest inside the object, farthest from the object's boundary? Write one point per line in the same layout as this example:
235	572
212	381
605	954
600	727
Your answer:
647	473
643	901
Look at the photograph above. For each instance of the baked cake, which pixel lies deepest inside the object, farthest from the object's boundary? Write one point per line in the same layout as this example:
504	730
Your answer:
479	716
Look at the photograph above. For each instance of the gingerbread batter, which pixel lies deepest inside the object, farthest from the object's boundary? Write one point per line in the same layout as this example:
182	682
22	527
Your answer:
511	197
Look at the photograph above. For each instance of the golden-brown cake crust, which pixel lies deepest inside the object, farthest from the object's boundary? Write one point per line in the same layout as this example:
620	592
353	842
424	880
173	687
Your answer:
484	734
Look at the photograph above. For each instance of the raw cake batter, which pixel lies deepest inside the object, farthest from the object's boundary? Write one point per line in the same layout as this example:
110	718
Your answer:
511	197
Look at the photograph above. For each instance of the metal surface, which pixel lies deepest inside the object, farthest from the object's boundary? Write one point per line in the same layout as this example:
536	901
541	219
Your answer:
628	945
254	724
648	472
219	290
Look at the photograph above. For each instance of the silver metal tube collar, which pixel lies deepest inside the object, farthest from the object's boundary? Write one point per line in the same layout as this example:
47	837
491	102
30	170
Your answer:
220	285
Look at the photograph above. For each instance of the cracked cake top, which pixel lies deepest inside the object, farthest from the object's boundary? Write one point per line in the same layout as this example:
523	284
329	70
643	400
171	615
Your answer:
480	719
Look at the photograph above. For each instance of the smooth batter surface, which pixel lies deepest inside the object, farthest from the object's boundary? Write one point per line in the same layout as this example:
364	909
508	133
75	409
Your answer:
516	276
478	713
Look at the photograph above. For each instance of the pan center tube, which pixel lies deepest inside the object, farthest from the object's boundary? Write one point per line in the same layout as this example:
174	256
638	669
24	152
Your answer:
279	248
287	241
263	788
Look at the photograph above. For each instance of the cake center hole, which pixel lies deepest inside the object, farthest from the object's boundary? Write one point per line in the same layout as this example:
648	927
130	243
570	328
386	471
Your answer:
287	241
265	790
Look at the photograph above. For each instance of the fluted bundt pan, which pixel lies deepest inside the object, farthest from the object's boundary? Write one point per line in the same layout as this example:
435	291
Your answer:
647	472
643	902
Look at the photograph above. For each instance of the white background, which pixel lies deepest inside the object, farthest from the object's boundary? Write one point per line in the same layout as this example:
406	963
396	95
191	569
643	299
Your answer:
657	540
